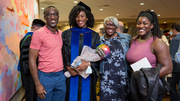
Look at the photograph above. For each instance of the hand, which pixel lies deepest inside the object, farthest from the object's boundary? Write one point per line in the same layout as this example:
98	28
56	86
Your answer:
100	52
72	71
40	91
83	66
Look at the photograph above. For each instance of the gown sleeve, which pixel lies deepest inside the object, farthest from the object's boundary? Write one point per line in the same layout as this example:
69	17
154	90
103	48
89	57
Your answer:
95	65
66	36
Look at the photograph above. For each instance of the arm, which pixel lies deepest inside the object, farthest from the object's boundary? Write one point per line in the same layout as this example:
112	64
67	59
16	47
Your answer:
95	65
160	49
71	71
95	42
173	49
66	36
84	65
33	54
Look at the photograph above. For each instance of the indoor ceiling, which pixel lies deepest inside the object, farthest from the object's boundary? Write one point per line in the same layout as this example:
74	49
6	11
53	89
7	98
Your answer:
124	10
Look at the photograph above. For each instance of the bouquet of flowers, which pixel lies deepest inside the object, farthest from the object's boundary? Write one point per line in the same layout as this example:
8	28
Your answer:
89	55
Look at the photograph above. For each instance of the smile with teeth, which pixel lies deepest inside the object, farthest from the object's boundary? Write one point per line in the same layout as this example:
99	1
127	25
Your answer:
53	21
80	22
110	30
141	30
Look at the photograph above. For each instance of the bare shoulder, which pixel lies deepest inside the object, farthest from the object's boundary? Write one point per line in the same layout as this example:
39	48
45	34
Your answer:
158	42
159	45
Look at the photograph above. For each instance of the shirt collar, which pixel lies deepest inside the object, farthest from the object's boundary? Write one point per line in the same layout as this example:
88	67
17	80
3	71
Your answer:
118	36
50	31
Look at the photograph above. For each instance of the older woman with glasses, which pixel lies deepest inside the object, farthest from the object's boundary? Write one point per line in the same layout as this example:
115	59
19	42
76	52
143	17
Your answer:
113	69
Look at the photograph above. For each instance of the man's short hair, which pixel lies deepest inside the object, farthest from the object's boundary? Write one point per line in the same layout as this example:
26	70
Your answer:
50	7
176	26
38	22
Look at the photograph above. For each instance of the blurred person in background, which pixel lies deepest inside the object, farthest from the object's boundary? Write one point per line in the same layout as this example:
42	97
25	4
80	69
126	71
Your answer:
27	80
120	29
174	45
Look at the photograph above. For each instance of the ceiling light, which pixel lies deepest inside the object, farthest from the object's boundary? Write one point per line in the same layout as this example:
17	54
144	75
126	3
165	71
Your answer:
117	14
75	2
101	9
152	10
101	22
164	22
42	8
141	4
158	15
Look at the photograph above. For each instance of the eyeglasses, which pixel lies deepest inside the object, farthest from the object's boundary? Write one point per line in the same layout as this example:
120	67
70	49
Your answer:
110	25
52	14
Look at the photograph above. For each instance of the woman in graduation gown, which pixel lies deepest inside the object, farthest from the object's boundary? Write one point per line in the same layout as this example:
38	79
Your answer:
80	20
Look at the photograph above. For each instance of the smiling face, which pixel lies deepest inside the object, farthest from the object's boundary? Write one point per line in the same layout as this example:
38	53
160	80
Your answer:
81	19
144	26
51	16
110	29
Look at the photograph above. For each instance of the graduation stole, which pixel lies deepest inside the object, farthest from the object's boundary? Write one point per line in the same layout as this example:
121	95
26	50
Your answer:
25	37
28	33
74	80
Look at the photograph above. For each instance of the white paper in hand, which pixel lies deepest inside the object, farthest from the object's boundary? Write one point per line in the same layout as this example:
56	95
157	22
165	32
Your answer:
143	63
89	70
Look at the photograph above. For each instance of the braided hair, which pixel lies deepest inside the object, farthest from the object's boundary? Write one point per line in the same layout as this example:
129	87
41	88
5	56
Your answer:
152	16
75	11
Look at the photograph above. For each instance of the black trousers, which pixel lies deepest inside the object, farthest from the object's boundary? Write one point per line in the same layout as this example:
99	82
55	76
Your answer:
173	81
30	91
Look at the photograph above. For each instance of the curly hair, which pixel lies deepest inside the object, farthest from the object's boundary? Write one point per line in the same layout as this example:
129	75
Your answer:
156	29
75	11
